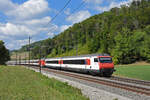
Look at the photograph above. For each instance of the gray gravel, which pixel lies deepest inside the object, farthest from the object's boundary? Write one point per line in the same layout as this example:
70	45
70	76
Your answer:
95	91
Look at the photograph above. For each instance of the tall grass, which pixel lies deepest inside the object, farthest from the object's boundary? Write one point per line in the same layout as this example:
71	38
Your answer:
18	83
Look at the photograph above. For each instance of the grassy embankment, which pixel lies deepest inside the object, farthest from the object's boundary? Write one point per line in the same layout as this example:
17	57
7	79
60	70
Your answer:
141	72
18	83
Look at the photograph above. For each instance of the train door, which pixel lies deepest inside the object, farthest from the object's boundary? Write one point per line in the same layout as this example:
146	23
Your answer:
88	63
60	62
96	64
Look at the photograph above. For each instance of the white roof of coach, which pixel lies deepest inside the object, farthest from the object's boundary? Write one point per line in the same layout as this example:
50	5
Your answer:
88	55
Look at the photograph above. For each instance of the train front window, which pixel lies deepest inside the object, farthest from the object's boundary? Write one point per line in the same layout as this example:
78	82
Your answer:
105	60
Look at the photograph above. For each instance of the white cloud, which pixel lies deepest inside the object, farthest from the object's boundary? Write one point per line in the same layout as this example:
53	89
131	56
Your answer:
64	27
53	28
112	4
29	9
22	42
106	5
28	27
28	18
40	22
67	11
50	34
13	30
79	16
11	45
2	37
6	5
16	44
94	1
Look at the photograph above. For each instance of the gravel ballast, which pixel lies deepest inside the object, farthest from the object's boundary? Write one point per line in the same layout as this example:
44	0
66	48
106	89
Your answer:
93	93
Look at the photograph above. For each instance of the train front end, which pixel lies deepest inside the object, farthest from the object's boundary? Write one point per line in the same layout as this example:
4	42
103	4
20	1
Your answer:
106	65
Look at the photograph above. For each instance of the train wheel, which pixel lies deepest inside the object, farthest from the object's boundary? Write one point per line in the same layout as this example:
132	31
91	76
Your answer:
92	73
101	75
107	75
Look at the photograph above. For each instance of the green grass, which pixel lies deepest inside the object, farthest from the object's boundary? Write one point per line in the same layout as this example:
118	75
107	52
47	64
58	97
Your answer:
133	71
18	83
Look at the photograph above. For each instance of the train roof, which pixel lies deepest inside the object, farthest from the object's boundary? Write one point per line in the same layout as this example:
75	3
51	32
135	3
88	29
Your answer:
88	55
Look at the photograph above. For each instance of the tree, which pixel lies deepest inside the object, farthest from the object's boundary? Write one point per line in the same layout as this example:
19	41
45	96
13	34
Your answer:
123	50
147	43
4	53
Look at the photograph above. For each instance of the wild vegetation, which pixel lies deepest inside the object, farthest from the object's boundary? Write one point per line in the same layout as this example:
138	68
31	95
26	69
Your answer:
124	33
4	53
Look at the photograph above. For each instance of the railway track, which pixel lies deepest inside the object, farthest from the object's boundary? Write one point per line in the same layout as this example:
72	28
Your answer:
117	82
129	80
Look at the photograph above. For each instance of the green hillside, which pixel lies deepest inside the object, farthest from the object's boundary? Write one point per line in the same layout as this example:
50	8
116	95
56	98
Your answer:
124	33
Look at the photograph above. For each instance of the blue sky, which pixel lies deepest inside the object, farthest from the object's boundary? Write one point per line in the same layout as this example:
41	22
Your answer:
21	18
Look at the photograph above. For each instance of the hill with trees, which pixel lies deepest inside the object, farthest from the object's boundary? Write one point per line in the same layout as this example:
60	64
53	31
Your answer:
123	32
4	53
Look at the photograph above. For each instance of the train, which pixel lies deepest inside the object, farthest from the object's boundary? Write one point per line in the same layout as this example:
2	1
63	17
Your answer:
95	64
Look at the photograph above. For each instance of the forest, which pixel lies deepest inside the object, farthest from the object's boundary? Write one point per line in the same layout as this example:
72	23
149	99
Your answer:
4	53
123	32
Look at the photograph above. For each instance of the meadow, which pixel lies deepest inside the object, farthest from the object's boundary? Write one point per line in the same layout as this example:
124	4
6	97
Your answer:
141	72
19	83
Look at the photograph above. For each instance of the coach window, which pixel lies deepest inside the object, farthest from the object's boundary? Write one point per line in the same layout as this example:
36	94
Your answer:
81	62
95	59
52	62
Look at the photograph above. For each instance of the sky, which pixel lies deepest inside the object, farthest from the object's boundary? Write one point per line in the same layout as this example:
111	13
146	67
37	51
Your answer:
20	19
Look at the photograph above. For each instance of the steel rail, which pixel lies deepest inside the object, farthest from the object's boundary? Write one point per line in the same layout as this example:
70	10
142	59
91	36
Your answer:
129	80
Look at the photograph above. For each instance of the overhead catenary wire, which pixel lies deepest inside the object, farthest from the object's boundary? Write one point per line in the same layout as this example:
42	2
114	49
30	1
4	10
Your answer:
59	12
73	11
78	7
